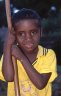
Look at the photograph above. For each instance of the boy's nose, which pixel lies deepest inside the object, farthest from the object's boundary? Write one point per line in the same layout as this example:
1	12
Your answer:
28	37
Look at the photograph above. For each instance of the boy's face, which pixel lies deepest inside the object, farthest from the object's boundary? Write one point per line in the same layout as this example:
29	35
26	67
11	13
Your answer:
28	34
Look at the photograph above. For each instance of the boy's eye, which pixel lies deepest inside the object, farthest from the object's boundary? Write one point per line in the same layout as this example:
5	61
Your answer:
33	33
21	34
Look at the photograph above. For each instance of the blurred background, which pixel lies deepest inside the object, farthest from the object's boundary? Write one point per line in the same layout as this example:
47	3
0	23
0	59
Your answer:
50	12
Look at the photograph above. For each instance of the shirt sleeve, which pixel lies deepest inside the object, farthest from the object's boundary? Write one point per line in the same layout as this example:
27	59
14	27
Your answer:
46	64
1	75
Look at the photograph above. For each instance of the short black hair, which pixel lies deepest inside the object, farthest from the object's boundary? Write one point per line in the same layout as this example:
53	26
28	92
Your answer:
25	13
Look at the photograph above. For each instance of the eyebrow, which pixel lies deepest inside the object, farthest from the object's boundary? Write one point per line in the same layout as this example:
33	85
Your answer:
34	29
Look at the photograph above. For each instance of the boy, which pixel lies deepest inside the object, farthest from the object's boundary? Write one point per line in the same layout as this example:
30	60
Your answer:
36	68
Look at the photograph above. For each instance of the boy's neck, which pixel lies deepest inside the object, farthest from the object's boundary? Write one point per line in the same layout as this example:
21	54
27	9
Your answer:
35	51
32	55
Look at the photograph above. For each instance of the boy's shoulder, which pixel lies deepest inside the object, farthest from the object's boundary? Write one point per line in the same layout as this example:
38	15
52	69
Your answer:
45	51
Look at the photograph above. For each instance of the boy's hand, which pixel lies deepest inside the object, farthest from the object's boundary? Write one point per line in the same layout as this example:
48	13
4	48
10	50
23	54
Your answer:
15	51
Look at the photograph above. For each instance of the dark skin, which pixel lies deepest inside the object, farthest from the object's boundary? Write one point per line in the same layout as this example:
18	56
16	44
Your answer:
27	34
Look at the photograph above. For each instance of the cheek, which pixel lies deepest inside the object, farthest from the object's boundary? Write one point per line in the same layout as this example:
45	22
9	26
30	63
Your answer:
37	38
19	40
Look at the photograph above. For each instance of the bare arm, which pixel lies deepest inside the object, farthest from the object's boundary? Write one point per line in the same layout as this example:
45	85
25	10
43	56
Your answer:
7	68
39	80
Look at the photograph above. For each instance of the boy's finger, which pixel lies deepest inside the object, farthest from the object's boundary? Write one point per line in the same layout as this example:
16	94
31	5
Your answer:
12	31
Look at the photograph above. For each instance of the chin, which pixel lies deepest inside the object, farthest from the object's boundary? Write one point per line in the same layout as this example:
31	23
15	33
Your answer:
28	50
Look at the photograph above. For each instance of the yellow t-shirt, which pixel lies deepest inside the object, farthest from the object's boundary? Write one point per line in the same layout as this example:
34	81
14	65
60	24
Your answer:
44	64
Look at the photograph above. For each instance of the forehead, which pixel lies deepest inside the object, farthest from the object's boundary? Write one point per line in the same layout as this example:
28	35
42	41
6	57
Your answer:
27	23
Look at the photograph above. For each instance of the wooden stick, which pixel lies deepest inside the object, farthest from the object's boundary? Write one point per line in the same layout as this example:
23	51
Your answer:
10	27
8	13
16	81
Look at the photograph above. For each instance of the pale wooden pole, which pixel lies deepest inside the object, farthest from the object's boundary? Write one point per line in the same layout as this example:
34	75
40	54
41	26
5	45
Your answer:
10	27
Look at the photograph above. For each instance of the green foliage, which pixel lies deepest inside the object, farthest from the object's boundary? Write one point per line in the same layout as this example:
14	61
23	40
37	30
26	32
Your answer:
3	88
52	24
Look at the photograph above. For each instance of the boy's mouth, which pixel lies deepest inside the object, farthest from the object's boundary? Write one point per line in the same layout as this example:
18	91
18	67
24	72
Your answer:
29	45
